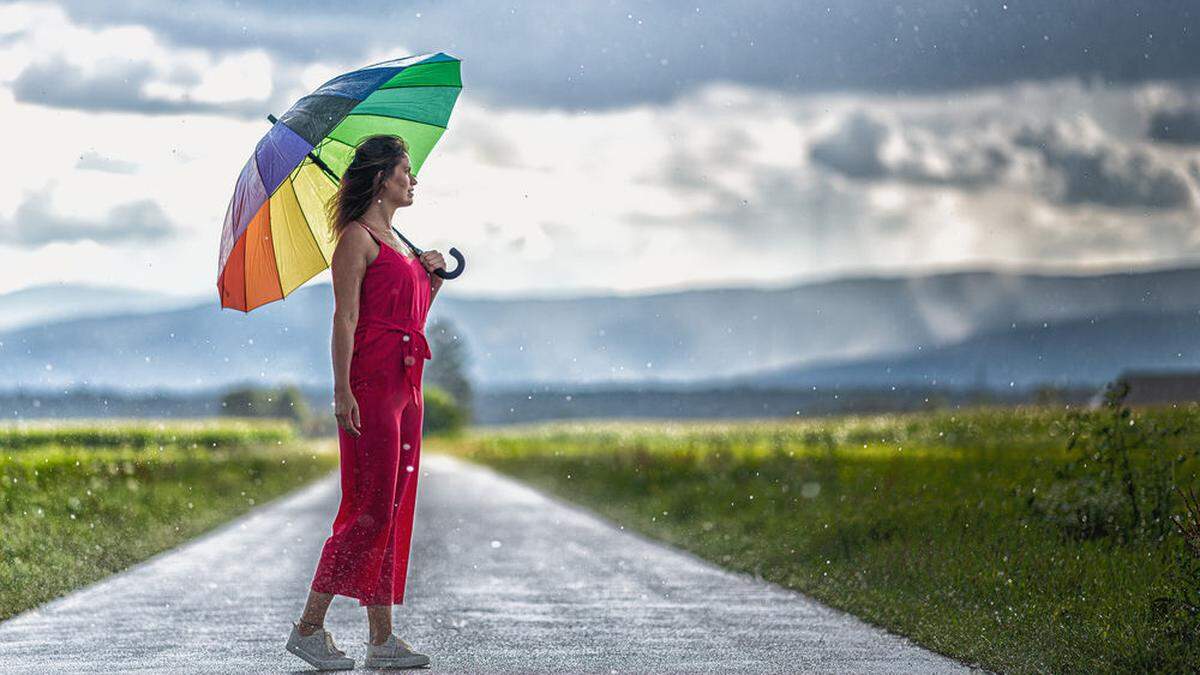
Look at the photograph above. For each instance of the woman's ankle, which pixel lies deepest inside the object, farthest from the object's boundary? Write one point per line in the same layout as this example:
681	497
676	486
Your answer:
308	627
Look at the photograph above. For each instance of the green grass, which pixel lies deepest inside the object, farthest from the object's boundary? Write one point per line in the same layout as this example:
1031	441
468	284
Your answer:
203	433
917	523
78	503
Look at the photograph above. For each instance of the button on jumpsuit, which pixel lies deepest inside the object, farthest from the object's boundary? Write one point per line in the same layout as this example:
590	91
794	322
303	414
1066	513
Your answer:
366	557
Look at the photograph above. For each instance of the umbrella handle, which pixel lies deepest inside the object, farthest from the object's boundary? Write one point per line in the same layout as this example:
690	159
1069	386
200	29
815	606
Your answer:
457	270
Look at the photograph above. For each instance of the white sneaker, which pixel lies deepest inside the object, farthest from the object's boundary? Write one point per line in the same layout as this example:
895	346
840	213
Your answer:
318	649
394	653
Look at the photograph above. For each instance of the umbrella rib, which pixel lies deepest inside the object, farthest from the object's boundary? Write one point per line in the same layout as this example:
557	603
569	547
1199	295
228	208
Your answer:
402	86
246	261
321	163
246	250
325	170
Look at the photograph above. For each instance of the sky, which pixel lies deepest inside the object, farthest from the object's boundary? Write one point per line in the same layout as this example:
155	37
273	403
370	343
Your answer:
626	147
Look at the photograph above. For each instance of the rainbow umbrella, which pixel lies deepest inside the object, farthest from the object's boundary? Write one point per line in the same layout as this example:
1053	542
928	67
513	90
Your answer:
276	234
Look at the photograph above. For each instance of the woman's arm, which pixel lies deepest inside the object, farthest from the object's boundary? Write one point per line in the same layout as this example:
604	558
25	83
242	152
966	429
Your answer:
348	267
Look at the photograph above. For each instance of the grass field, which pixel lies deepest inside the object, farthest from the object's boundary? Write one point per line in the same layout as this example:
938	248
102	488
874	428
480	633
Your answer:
934	525
81	501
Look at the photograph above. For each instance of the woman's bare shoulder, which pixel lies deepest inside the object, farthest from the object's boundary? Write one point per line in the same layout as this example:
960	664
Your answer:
352	244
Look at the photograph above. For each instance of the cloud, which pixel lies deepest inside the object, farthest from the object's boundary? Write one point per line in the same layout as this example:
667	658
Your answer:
855	148
35	225
606	55
1181	126
716	186
113	86
1070	161
130	86
96	162
489	144
867	146
1088	167
127	68
1037	174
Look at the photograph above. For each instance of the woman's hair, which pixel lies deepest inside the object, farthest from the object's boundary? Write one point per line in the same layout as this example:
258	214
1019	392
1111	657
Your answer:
374	159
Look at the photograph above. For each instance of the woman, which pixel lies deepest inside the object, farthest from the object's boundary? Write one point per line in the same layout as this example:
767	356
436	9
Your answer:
382	293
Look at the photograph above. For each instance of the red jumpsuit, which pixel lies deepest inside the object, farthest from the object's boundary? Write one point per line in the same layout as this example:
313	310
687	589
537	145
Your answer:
367	555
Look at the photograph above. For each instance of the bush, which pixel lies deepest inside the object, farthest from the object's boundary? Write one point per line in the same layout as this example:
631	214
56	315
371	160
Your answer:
287	402
1116	453
1179	608
1081	508
443	414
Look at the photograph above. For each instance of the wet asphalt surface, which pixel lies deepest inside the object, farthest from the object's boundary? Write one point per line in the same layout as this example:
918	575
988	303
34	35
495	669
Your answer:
502	578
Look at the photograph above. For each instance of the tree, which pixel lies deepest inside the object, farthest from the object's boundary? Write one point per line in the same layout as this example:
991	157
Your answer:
287	402
447	369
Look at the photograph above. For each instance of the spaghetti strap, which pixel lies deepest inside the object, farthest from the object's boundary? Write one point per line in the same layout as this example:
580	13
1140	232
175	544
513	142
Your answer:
369	232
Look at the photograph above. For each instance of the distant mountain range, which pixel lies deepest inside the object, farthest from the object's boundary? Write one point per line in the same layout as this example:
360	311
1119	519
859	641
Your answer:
41	304
959	328
1075	353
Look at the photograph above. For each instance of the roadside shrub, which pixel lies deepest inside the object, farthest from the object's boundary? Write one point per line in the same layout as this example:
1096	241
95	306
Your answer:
1179	607
1082	508
1115	453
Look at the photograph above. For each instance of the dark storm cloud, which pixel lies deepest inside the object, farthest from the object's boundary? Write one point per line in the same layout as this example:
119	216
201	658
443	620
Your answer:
1181	125
118	86
35	225
602	54
826	223
1099	171
856	149
1074	164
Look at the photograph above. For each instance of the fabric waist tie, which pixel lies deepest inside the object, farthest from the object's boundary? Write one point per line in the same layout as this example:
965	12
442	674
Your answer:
411	346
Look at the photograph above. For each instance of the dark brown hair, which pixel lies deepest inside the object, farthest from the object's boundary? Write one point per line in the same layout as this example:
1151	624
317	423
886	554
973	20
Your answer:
374	159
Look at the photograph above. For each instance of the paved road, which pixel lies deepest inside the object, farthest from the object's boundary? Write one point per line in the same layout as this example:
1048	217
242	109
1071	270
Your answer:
503	579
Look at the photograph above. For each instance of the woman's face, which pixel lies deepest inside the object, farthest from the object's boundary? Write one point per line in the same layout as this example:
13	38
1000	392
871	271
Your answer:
398	188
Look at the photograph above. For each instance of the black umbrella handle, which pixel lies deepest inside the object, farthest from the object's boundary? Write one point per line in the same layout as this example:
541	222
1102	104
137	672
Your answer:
462	263
457	270
439	271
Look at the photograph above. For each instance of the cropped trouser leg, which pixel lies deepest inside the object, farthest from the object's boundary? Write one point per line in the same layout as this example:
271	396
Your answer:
394	571
366	557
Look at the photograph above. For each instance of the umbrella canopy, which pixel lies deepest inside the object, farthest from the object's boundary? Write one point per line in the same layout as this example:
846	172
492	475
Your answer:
276	234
